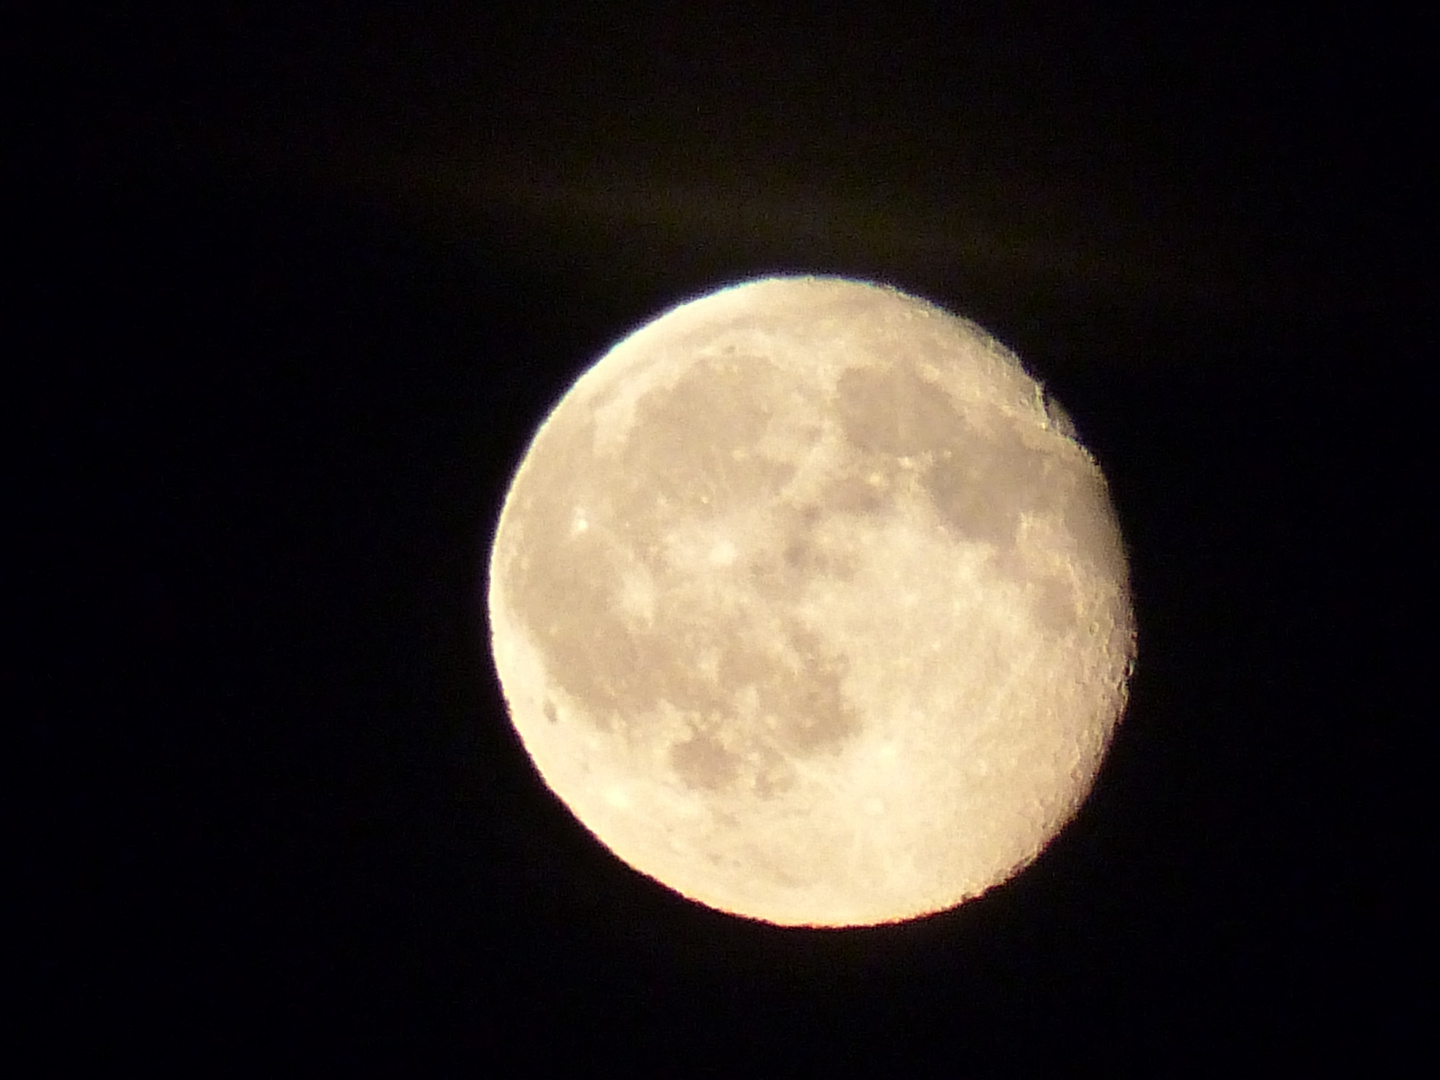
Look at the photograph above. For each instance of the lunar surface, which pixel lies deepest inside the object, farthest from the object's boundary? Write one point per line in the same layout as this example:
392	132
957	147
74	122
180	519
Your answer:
809	604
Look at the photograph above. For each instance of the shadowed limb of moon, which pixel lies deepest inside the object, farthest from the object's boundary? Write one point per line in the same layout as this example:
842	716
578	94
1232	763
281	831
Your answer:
807	602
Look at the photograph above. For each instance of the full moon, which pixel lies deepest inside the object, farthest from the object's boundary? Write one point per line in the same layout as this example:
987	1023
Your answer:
808	603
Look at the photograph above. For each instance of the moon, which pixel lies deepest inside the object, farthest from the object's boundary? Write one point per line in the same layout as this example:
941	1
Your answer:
808	603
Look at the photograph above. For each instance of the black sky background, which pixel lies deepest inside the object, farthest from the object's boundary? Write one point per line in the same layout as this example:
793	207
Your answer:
303	284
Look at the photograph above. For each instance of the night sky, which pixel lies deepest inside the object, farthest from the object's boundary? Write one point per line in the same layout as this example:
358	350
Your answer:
305	282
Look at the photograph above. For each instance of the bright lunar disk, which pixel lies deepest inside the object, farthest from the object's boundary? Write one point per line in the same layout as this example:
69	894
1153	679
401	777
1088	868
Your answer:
808	604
